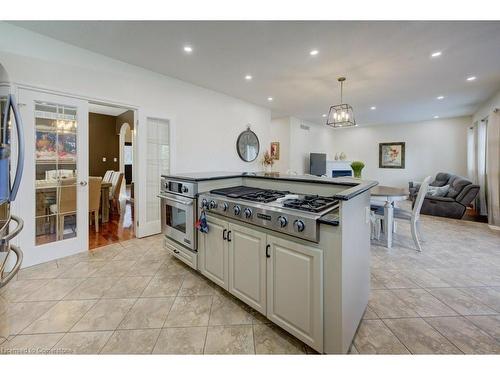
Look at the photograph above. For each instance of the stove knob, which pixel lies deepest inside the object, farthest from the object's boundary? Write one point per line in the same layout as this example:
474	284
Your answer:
225	206
248	213
213	204
184	189
282	221
299	225
237	210
204	203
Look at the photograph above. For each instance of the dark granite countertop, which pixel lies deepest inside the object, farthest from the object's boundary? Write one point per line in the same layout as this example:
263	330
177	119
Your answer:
353	186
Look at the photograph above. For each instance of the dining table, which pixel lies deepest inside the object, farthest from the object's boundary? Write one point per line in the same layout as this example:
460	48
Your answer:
46	186
388	196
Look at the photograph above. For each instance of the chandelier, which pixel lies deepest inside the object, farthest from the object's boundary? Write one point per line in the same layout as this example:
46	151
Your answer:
341	115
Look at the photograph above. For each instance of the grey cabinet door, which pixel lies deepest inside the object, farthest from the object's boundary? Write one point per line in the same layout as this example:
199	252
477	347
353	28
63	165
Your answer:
295	290
247	266
213	252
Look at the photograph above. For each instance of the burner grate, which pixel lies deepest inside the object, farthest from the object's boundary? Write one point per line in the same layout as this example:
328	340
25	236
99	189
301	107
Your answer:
311	203
265	196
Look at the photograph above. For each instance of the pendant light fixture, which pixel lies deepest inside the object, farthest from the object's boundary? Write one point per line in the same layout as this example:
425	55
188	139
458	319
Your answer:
341	115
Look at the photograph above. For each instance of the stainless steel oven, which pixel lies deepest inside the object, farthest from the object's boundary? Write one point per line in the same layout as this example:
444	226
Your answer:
178	212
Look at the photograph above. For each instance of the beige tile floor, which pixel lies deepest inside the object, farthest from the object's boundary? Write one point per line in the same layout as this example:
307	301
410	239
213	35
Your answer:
133	297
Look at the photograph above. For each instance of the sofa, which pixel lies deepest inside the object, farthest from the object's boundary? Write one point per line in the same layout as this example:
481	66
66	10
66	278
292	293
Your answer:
453	204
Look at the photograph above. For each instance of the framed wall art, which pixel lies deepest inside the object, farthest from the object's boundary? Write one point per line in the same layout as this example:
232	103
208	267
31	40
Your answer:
391	155
275	150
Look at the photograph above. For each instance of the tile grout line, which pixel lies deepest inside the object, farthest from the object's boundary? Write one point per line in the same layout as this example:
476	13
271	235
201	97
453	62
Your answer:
437	331
460	314
396	336
209	315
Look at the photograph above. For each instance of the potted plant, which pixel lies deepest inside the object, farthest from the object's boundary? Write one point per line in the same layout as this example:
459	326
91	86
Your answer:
268	161
357	167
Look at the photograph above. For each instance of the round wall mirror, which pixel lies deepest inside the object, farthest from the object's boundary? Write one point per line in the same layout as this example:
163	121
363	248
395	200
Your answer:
247	145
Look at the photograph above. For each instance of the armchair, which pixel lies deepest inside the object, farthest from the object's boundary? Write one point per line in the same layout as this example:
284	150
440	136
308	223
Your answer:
461	194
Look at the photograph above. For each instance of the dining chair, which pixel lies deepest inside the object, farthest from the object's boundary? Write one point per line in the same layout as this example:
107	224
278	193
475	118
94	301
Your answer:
108	176
65	204
114	194
94	199
375	226
412	216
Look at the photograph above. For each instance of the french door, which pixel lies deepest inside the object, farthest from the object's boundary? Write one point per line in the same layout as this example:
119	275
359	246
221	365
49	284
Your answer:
53	197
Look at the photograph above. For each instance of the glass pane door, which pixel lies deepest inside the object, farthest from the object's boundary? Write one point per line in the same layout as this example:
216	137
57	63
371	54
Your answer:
56	172
154	137
54	190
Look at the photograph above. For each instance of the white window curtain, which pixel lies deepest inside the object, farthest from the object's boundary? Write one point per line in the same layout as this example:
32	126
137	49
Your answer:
493	168
476	163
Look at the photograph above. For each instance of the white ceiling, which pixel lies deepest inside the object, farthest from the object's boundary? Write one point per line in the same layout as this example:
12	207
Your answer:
387	64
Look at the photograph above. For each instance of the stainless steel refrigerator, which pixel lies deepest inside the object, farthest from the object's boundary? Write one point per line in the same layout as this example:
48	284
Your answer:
11	225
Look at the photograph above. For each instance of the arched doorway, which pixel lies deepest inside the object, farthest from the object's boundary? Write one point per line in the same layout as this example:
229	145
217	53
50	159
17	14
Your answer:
126	166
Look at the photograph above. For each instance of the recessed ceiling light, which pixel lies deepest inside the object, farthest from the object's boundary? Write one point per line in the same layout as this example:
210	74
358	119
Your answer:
270	99
471	78
440	97
248	77
373	108
188	49
323	115
436	116
436	54
314	52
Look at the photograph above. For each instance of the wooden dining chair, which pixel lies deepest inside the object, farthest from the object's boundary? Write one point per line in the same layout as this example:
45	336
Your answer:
108	176
65	203
114	194
95	199
412	216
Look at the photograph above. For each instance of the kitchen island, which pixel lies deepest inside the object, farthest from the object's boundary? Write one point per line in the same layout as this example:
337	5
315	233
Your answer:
294	248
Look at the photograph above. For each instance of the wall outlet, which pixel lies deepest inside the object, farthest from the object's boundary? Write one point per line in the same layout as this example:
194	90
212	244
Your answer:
104	160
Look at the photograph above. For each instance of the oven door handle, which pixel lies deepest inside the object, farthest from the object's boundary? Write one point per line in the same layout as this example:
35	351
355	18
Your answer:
187	203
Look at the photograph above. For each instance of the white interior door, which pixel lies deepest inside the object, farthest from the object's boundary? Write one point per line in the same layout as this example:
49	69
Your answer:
53	196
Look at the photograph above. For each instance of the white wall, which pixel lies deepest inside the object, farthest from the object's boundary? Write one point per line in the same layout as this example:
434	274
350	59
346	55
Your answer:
317	138
206	123
431	147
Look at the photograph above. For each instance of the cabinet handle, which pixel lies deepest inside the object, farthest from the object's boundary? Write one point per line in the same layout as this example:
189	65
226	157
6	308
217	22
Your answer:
229	236
176	251
224	237
267	251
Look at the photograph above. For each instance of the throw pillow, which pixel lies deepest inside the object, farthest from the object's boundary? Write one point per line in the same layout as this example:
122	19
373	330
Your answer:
437	191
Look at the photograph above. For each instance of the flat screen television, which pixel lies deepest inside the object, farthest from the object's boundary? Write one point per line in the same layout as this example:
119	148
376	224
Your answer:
317	164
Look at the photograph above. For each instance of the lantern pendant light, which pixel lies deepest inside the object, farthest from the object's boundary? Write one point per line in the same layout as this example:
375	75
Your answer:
341	115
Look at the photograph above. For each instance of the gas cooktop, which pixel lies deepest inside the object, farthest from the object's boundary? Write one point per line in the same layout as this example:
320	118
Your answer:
251	194
296	216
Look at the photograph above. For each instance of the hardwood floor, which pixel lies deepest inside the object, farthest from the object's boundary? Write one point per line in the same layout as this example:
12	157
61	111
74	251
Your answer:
473	215
118	228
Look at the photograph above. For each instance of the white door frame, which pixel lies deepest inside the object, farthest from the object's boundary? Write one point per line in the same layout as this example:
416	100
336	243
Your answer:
140	116
25	204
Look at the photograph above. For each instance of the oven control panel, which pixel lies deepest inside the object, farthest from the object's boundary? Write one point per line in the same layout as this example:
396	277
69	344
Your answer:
185	188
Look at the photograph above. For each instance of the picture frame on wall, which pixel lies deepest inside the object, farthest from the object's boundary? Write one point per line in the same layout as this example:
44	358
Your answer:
391	155
275	150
